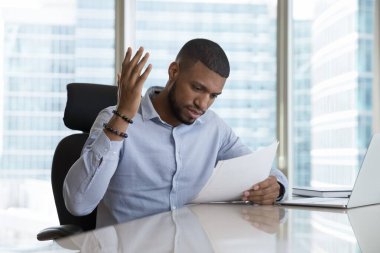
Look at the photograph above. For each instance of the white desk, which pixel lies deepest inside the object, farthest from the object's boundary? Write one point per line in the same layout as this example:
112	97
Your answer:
237	228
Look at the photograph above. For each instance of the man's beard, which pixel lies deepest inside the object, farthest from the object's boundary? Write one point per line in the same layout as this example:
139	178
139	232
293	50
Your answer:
175	108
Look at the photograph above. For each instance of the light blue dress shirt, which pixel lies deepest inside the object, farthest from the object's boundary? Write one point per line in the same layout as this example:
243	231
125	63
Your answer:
157	168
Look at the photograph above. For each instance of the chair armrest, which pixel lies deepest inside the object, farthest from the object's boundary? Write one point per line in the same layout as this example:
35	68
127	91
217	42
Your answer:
53	233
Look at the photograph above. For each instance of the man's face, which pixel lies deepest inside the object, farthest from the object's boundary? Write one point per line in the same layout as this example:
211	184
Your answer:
193	91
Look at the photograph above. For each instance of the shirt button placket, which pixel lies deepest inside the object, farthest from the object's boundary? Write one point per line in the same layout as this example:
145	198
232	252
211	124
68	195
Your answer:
173	192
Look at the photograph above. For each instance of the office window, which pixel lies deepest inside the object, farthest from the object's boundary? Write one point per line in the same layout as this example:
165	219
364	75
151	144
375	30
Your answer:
331	89
247	32
44	45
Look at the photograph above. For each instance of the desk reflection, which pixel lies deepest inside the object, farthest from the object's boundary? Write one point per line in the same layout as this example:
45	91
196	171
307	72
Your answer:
196	228
239	228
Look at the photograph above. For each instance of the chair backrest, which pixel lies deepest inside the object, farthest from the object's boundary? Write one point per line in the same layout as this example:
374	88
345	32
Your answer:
84	102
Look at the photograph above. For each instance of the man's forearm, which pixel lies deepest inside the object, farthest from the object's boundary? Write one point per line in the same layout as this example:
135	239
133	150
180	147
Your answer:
88	178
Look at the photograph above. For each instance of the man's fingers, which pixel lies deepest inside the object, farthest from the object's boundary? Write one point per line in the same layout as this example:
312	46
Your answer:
126	60
127	56
136	71
267	182
262	196
264	191
144	76
130	66
131	72
264	184
142	63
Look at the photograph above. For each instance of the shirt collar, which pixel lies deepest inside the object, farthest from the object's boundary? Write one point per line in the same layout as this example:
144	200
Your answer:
147	109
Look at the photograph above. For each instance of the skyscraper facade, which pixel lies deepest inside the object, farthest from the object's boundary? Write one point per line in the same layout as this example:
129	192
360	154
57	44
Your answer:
38	59
247	32
43	49
341	77
301	110
95	41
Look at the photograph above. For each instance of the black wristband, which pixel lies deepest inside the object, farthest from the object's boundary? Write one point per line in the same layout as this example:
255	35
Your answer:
125	118
114	131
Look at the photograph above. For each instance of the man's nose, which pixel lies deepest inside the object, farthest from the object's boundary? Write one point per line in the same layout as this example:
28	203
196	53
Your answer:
203	102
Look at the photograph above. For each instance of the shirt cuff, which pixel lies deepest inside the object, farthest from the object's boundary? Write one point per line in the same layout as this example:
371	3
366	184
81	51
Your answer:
282	192
103	146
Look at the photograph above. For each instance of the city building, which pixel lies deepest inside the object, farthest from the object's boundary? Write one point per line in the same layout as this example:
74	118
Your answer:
43	50
341	77
301	109
247	32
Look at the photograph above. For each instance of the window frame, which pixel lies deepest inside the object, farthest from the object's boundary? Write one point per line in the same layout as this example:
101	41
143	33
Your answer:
376	71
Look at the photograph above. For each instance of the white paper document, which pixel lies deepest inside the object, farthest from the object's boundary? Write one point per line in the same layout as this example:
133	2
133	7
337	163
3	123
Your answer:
232	177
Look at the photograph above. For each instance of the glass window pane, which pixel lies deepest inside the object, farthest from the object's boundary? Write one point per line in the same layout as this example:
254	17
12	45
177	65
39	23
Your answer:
44	45
331	90
247	32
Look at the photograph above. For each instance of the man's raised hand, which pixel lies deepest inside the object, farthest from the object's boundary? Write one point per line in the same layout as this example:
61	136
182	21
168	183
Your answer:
131	81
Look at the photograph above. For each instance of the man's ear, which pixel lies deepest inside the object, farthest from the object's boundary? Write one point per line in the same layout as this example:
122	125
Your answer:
173	71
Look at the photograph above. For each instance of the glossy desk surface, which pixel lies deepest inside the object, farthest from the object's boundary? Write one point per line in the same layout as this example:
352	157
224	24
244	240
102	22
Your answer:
237	228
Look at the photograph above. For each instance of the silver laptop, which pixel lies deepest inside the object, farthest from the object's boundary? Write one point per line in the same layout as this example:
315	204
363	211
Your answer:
366	190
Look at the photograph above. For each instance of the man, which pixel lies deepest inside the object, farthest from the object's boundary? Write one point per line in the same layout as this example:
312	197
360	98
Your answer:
153	154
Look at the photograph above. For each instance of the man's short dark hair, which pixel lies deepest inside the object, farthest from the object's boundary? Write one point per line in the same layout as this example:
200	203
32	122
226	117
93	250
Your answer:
207	52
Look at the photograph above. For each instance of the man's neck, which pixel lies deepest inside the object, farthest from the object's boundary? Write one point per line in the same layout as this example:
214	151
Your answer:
161	104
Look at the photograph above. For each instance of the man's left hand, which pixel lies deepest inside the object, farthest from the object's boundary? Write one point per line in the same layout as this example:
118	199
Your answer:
264	193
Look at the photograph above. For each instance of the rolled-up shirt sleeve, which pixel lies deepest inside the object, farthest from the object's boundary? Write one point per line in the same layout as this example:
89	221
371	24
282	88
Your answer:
88	178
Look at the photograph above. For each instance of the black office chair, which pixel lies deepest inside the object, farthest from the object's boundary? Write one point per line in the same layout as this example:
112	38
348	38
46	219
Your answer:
84	102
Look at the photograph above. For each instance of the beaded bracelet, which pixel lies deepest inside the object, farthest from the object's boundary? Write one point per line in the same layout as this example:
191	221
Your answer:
125	118
114	131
